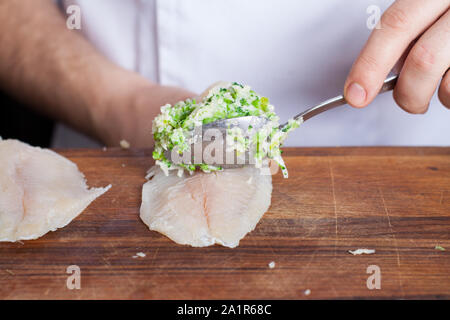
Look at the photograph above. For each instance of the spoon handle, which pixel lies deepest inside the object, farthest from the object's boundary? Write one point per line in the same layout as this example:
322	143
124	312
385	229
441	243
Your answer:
388	85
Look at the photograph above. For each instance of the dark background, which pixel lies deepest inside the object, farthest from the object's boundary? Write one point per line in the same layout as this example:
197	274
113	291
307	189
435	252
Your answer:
17	121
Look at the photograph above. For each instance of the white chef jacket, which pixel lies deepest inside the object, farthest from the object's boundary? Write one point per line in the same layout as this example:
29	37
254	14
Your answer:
297	53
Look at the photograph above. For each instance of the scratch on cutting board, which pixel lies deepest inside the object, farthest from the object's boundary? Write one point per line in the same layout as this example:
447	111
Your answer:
10	272
94	293
106	261
333	288
311	259
132	284
179	286
154	256
394	237
442	197
270	281
335	205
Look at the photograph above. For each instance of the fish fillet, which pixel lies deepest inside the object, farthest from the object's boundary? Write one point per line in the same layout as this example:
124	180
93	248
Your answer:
41	191
206	208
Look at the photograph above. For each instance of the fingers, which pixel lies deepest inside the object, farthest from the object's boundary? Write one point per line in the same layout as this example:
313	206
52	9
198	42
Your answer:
444	90
400	25
424	67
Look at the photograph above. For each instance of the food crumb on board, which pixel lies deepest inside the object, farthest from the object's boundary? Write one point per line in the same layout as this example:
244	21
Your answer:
272	265
123	165
361	251
139	254
250	180
125	144
104	149
307	292
439	248
10	272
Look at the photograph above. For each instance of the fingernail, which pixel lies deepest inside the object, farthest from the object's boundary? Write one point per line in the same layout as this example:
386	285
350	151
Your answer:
356	94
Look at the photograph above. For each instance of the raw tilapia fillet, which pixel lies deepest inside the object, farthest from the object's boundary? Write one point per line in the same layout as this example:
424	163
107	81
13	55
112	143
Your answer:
206	208
41	191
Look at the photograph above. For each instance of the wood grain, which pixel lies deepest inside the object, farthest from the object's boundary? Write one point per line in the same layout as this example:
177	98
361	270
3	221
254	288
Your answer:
393	200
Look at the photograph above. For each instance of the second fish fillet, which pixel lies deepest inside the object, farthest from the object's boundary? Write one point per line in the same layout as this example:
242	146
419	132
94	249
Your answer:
40	191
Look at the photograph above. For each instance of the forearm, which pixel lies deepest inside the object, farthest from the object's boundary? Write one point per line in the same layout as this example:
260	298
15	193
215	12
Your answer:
55	69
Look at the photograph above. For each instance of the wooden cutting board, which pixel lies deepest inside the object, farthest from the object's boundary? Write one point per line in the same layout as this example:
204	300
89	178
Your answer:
393	200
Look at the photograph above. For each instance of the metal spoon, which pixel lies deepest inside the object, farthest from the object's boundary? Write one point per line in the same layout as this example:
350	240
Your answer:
258	122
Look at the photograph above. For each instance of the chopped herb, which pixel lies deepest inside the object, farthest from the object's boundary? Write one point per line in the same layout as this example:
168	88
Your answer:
244	102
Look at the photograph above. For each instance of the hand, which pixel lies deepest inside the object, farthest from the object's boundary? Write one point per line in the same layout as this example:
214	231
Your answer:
425	64
132	108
